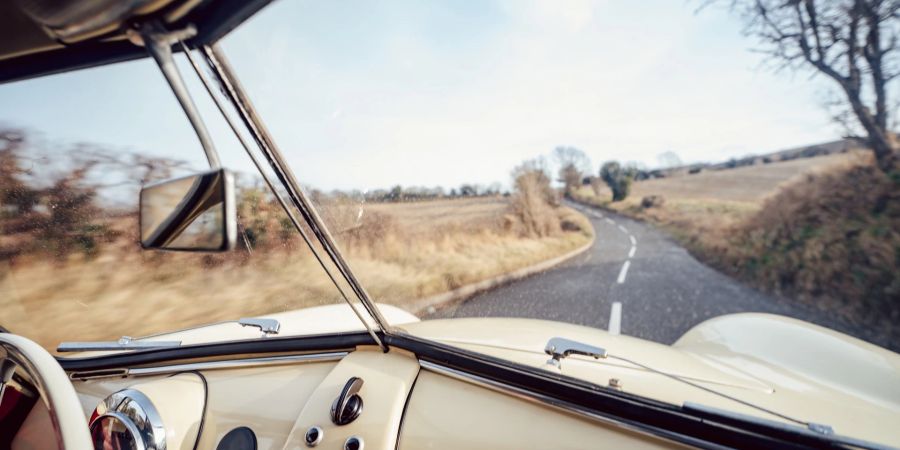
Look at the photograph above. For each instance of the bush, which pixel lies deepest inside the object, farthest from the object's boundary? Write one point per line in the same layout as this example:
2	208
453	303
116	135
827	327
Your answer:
652	201
534	201
618	179
832	238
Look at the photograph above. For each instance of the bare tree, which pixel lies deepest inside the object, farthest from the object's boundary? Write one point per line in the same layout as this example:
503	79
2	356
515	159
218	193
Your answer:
573	165
668	160
852	42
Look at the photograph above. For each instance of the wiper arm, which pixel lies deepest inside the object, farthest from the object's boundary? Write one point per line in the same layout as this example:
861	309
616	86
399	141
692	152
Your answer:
124	343
559	348
266	326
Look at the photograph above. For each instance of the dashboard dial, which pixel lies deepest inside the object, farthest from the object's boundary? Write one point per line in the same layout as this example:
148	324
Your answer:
127	420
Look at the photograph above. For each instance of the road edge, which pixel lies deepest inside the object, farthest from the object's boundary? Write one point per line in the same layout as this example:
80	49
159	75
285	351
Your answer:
427	304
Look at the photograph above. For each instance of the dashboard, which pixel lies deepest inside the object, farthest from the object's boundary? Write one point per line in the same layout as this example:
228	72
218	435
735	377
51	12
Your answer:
358	400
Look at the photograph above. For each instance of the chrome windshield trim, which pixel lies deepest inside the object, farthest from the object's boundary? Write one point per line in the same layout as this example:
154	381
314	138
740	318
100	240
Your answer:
208	365
124	343
544	400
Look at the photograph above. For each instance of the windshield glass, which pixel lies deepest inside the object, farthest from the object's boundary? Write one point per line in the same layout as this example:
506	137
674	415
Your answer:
74	151
499	174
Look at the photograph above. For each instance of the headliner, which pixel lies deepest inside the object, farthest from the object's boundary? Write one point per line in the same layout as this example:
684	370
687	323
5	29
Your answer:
27	51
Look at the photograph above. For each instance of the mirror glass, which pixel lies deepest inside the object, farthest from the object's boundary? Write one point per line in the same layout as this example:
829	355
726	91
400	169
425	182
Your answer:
193	213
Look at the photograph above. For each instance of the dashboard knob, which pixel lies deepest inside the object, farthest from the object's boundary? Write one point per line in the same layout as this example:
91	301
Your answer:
348	405
314	436
354	443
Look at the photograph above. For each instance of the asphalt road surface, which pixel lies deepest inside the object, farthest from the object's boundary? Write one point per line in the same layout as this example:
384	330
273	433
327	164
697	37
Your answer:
634	280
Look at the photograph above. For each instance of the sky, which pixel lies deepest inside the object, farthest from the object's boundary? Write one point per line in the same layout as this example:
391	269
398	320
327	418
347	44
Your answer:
369	94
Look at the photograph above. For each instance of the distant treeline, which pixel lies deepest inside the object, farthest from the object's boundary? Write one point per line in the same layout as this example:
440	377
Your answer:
829	148
400	193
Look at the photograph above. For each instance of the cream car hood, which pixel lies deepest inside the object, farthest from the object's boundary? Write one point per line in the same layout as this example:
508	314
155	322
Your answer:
785	365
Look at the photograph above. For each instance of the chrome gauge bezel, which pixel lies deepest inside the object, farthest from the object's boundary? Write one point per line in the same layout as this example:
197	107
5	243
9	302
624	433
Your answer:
129	425
139	416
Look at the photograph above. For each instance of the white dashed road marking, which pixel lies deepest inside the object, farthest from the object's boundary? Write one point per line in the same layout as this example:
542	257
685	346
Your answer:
624	272
610	221
615	319
631	252
624	230
633	240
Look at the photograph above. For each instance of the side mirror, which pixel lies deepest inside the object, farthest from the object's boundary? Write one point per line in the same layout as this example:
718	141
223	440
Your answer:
193	213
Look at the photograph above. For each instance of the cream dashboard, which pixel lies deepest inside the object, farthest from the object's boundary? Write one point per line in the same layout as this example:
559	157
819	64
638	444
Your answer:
363	399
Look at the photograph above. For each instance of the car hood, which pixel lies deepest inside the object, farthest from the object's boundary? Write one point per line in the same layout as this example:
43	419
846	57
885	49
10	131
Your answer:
785	365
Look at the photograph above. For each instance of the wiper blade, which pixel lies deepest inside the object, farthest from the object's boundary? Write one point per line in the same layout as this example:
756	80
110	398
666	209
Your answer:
124	343
266	326
814	431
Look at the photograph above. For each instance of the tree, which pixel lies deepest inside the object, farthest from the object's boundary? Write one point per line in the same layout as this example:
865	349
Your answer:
395	194
618	179
854	43
573	165
668	160
468	190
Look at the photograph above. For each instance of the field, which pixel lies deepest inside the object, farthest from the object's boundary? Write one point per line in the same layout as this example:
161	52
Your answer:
713	200
400	251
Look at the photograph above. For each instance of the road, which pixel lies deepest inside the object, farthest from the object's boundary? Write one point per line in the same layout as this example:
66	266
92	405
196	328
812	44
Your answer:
634	280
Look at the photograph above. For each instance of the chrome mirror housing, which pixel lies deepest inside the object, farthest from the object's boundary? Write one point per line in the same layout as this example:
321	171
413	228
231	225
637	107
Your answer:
192	213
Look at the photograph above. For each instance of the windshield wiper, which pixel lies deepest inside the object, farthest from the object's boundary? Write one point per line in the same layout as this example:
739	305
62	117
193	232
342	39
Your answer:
266	326
559	348
818	432
124	343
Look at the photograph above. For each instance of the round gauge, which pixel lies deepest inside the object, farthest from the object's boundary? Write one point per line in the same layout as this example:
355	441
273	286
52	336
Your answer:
114	431
127	420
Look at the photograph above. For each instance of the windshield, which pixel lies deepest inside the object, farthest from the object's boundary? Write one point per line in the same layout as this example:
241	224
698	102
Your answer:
497	175
74	152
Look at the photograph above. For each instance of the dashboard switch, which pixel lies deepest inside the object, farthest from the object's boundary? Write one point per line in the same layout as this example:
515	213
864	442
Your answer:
314	435
353	443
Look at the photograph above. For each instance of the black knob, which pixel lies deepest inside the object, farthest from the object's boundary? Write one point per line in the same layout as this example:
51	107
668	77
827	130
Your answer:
353	443
314	436
348	406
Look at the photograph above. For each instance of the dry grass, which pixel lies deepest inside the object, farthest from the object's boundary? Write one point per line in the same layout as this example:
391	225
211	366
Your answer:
401	252
749	184
713	201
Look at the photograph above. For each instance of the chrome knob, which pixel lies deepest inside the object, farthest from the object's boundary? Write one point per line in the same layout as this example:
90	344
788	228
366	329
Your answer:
348	406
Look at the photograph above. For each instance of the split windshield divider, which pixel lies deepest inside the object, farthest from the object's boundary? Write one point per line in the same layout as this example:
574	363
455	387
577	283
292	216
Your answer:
241	103
240	100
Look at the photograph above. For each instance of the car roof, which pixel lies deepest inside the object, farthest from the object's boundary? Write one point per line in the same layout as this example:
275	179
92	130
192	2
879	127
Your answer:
43	37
